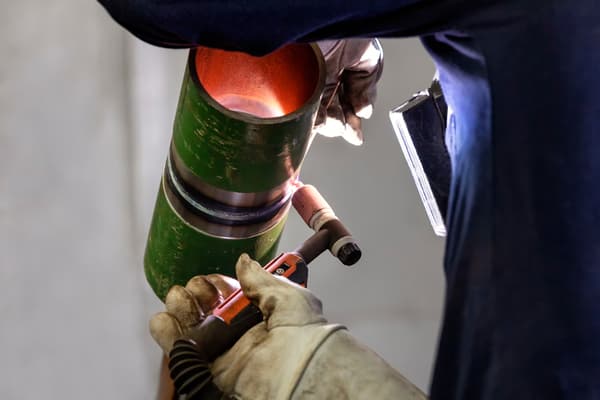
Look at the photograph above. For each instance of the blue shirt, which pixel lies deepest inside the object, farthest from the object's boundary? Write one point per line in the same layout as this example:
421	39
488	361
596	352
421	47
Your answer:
522	313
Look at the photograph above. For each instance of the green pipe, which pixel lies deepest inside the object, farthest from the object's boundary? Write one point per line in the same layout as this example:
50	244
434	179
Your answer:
242	129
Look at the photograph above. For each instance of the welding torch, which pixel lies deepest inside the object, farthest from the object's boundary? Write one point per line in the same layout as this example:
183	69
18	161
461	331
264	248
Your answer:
190	356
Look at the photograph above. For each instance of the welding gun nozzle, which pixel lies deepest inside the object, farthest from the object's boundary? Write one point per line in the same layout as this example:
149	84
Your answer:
349	254
318	215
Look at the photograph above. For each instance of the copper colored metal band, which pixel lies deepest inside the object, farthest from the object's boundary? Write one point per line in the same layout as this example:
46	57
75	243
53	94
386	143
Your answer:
234	199
207	227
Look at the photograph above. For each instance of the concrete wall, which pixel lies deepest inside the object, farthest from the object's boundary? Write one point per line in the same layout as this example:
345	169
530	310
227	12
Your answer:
85	118
70	283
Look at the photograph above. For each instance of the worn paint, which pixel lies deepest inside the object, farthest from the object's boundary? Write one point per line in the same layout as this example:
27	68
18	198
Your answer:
236	155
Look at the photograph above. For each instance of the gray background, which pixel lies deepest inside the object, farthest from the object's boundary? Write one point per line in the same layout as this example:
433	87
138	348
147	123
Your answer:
85	118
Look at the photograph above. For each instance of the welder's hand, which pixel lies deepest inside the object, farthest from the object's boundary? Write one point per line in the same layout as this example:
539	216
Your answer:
353	68
187	307
293	353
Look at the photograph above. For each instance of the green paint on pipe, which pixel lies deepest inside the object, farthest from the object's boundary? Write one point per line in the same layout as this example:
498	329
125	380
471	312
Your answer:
176	251
242	154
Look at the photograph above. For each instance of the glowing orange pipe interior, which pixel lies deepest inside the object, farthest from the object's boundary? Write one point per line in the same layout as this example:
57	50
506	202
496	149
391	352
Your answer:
270	86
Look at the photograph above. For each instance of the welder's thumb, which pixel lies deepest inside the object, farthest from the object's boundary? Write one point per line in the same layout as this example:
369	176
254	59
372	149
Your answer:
283	303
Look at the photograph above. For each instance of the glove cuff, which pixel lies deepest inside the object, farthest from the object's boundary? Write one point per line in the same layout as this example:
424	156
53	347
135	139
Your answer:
313	337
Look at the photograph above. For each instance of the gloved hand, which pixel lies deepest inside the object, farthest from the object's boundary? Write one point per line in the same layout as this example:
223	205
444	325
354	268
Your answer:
293	353
353	68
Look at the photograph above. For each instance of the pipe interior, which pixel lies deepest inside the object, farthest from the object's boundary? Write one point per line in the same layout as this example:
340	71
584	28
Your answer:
270	86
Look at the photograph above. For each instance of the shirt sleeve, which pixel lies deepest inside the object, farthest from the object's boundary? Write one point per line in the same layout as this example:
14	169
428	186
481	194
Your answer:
259	27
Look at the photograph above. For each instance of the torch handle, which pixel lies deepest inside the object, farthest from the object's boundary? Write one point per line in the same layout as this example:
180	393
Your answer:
236	315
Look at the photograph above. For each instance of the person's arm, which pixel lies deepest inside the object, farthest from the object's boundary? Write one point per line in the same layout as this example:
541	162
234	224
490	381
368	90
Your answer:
259	27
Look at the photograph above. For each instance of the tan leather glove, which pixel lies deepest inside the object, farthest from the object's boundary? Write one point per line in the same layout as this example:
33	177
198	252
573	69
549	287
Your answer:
293	354
353	68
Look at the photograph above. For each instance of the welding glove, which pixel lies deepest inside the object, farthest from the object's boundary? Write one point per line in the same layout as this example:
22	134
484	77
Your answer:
353	68
293	354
